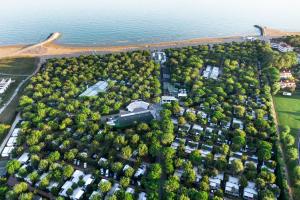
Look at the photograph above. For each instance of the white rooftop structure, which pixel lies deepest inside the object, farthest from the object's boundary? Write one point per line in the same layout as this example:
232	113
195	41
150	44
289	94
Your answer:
159	56
65	187
88	179
77	193
4	84
101	86
16	132
211	72
76	175
113	190
142	196
191	146
24	158
232	186
215	182
287	94
182	93
239	122
141	171
203	114
102	160
126	167
6	151
250	192
168	99
197	127
215	73
205	150
137	105
11	141
283	47
129	190
176	143
51	185
178	173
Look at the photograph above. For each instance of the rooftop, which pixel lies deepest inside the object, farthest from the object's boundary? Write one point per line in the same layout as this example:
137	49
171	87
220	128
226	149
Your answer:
101	86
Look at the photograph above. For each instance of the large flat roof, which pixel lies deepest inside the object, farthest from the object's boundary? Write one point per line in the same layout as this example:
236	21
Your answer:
101	86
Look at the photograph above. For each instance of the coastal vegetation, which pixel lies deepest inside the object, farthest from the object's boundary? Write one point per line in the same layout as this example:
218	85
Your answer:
18	69
223	129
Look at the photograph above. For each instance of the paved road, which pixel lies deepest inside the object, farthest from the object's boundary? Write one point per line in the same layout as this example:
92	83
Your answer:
20	85
18	118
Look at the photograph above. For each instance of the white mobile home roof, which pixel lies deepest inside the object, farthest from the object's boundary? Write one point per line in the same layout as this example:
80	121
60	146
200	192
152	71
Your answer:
12	141
101	86
77	193
6	151
142	196
76	175
16	132
24	158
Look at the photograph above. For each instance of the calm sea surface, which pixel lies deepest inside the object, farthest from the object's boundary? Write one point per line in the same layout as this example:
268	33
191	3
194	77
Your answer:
121	22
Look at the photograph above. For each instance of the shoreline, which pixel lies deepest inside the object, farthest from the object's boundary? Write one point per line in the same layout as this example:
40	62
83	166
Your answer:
49	48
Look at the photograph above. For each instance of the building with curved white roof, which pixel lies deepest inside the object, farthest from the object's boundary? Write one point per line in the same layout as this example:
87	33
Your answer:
137	105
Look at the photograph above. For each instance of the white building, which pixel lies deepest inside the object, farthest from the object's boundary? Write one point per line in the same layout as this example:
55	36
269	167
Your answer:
79	191
238	122
176	143
12	141
215	73
142	196
211	72
250	192
101	86
182	93
137	105
4	84
159	56
232	186
283	47
141	171
215	182
16	132
6	151
191	146
168	99
24	158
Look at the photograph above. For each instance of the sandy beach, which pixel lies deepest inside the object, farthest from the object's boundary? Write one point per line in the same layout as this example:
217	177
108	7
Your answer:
49	48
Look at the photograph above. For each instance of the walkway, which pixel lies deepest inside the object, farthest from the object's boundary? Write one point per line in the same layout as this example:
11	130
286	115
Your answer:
18	118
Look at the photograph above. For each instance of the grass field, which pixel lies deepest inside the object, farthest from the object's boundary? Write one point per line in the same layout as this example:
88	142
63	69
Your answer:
288	111
17	69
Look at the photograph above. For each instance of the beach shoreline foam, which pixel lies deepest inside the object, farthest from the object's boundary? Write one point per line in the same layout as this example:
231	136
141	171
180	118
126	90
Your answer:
50	48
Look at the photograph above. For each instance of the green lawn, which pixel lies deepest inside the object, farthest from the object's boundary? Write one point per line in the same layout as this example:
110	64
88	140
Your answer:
15	66
288	111
18	66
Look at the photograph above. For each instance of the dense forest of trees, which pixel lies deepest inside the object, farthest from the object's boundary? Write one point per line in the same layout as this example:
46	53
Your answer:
59	126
